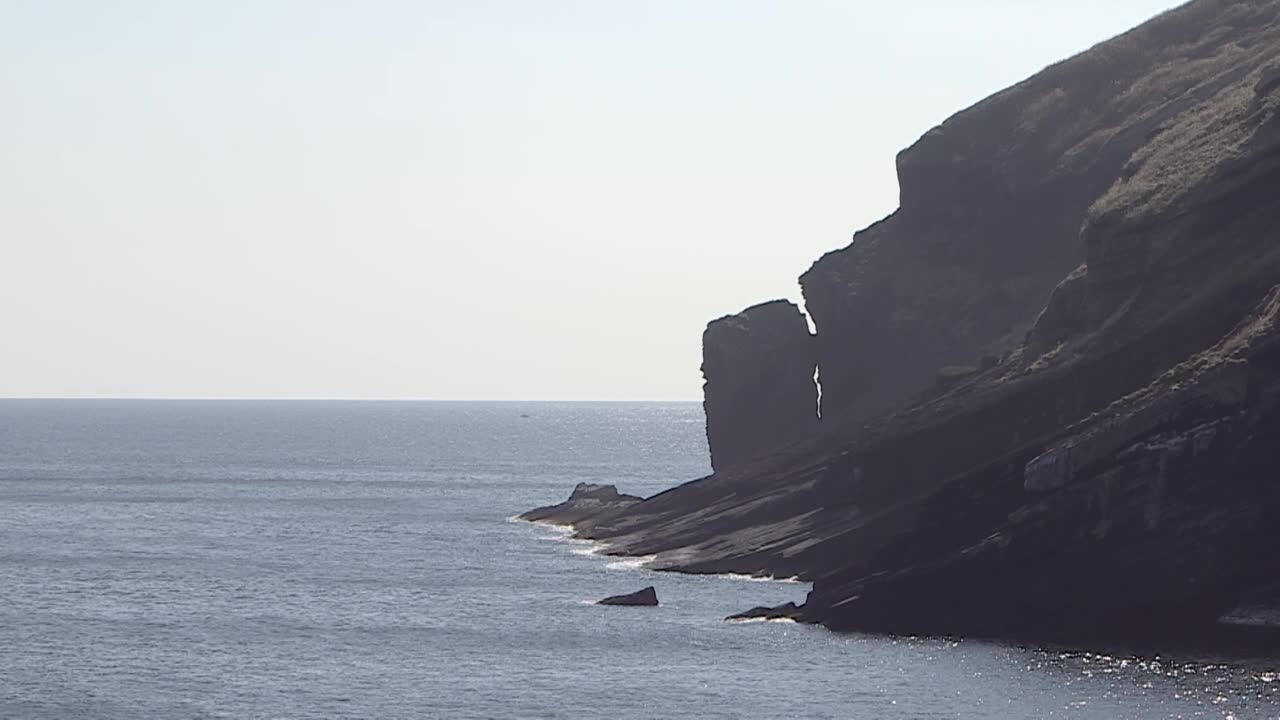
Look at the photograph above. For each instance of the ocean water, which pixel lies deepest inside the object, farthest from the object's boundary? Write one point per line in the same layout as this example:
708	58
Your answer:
176	559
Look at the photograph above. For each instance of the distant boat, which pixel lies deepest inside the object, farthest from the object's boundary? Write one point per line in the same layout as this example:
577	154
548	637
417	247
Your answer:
524	415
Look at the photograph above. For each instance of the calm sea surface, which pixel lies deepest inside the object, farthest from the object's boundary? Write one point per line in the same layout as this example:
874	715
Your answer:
355	560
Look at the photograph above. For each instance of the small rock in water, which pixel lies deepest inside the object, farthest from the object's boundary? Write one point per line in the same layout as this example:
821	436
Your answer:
785	611
647	597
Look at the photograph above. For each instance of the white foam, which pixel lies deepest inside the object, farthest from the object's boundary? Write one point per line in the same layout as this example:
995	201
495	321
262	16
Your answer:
594	548
586	548
597	548
756	578
747	621
557	533
554	527
631	563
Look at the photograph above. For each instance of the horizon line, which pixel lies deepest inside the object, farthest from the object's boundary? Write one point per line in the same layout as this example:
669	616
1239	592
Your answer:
246	398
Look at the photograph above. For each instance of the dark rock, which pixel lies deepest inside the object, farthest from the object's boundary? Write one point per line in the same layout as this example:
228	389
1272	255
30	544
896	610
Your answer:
785	611
953	375
1149	522
1109	229
992	202
759	390
647	597
1269	81
588	500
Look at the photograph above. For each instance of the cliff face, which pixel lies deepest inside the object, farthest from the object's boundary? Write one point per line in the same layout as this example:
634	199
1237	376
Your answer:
1147	522
1113	477
1120	484
992	203
759	390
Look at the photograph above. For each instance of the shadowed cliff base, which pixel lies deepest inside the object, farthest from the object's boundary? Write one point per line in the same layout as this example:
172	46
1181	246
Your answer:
1049	380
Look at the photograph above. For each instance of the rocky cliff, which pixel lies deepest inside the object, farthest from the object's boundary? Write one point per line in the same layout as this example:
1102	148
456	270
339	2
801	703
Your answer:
992	202
759	390
1110	228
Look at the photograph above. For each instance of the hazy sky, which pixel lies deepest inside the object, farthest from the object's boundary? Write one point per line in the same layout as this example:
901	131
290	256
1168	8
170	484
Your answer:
503	199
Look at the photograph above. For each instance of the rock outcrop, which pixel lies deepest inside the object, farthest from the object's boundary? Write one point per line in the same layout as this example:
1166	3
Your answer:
587	500
759	391
785	611
1069	338
647	597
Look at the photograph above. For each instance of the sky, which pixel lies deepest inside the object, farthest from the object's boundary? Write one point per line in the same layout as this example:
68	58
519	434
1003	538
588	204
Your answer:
489	200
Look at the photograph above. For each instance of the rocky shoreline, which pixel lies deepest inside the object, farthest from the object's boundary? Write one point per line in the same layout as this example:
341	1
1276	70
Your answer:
1049	383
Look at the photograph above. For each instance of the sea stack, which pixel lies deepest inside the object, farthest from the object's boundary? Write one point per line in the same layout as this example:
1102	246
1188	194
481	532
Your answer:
759	390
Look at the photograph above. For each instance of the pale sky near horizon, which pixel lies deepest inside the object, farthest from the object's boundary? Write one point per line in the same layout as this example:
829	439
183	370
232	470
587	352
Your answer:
512	199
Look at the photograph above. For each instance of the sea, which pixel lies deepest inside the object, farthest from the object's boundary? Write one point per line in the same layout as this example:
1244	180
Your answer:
324	559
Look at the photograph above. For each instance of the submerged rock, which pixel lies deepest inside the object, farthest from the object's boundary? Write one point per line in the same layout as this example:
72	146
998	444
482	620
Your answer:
648	597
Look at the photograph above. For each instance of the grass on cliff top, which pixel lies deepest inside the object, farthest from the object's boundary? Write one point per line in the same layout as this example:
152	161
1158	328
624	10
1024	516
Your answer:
1199	144
1063	116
